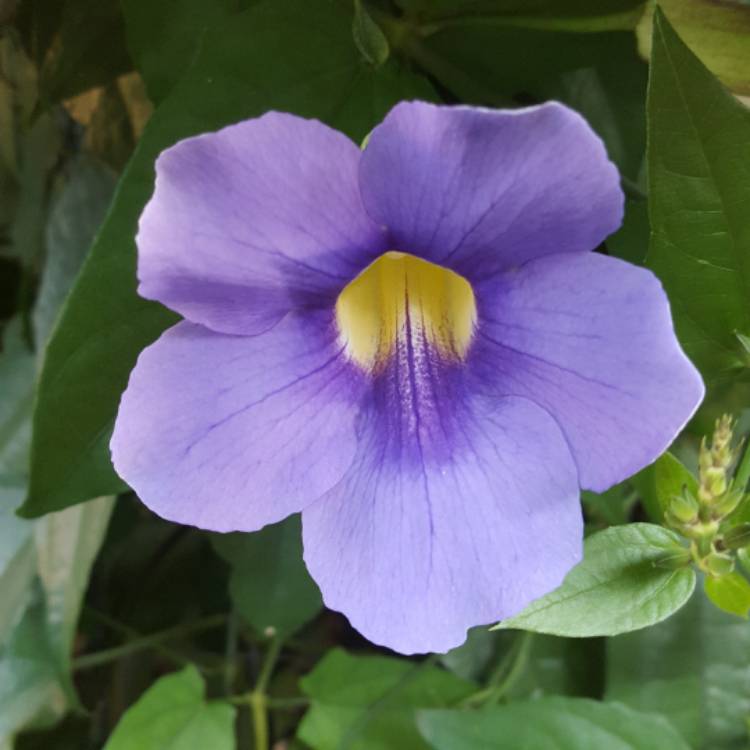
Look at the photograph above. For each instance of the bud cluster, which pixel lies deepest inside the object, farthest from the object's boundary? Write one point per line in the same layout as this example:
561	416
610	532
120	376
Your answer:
700	516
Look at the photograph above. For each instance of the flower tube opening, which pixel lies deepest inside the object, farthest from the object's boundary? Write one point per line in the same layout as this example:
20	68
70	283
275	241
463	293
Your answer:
398	299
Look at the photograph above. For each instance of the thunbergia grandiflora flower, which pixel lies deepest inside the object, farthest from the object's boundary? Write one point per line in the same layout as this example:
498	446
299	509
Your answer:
412	344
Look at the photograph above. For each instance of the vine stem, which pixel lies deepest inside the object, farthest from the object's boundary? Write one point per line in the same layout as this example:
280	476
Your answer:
154	640
257	699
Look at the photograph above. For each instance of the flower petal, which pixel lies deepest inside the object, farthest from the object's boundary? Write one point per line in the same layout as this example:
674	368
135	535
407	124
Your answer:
254	220
414	549
590	338
482	190
230	433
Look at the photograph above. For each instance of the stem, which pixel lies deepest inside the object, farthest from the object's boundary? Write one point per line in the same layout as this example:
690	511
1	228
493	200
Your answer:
257	698
259	712
504	675
230	652
517	666
88	661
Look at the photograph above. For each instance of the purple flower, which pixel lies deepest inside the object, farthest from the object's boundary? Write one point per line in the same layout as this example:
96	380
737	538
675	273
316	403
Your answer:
413	345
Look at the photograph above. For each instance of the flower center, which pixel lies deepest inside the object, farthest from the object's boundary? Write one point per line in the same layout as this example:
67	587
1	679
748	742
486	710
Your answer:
402	302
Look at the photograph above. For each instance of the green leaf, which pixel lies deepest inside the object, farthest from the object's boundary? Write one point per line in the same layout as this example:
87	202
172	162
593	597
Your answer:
487	51
660	482
611	95
30	689
580	15
369	702
67	544
269	583
17	373
368	36
693	668
75	215
105	324
700	228
174	714
471	659
164	37
716	32
609	508
17	560
617	588
554	723
730	593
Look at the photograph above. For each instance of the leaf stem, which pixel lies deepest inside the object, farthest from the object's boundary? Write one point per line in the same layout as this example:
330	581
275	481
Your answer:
154	640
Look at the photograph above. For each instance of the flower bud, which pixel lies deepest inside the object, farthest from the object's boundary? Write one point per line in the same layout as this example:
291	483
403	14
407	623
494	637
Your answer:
683	508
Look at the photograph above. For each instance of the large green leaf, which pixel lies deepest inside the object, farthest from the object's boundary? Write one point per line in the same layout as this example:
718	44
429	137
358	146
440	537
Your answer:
105	324
67	543
174	714
369	702
164	37
44	566
17	560
581	15
550	724
487	51
30	687
269	583
716	32
620	586
699	138
694	668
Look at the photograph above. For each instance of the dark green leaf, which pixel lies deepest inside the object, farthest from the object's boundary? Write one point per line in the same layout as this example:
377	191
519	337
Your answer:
694	668
698	197
617	588
471	659
550	724
164	37
368	36
581	15
609	508
611	96
174	714
90	51
369	702
105	324
269	583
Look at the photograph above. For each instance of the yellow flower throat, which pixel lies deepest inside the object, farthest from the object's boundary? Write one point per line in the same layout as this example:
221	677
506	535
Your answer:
402	302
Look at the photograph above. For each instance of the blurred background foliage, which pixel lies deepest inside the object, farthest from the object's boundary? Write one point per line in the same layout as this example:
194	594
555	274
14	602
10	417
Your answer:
118	629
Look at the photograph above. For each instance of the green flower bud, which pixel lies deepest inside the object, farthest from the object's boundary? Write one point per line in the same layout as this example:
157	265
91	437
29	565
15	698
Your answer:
683	508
